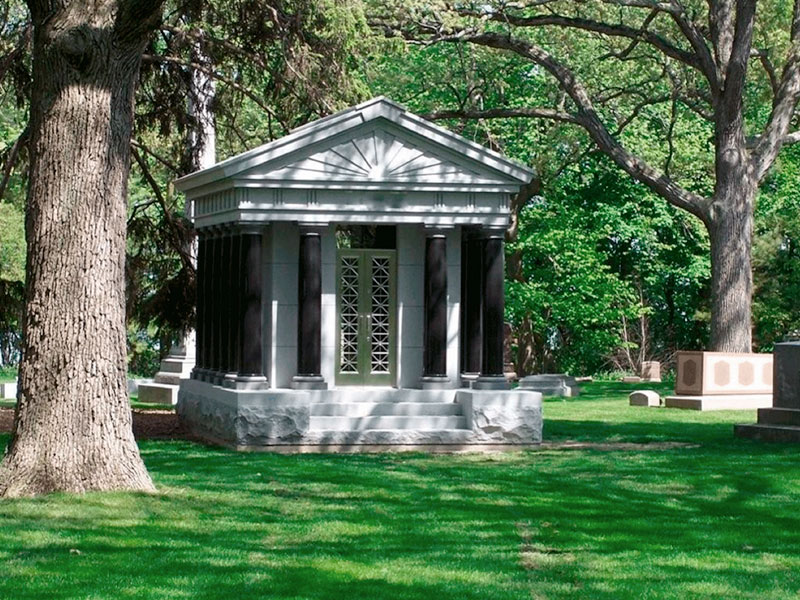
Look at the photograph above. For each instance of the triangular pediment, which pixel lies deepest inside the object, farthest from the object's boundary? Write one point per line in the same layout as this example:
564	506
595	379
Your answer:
377	144
378	156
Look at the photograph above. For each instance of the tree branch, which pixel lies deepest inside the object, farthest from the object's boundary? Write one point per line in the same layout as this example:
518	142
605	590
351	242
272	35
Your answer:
775	133
591	122
633	33
503	113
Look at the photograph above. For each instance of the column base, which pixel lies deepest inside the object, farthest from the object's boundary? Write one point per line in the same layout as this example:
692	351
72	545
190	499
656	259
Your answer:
434	382
213	377
246	382
309	382
198	374
467	379
490	382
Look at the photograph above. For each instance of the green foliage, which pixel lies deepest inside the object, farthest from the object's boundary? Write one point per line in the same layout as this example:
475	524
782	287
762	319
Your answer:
708	517
574	302
12	281
776	253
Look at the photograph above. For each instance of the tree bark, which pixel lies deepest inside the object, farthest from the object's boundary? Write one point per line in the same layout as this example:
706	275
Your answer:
731	232
72	426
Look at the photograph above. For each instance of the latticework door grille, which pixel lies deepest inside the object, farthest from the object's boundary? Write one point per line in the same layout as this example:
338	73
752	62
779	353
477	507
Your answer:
349	315
366	317
380	318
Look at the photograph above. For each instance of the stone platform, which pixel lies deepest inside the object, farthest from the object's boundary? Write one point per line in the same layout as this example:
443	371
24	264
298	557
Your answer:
360	419
551	384
720	402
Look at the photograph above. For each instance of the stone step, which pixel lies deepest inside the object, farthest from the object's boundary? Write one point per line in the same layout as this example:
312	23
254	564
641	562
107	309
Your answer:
167	379
415	423
720	402
365	409
768	433
158	393
779	416
393	437
380	395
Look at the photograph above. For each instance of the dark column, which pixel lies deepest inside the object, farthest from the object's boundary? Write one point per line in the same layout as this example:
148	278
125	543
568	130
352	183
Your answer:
435	332
309	311
249	355
200	306
471	304
233	320
215	252
227	307
493	304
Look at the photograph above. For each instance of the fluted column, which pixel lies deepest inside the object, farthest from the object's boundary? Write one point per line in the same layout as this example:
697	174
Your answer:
248	354
434	372
309	311
200	305
471	305
491	376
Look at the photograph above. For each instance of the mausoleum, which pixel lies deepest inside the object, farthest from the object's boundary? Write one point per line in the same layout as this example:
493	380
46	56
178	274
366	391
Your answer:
350	290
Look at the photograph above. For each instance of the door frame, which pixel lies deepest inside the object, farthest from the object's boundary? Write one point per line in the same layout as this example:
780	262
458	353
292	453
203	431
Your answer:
365	376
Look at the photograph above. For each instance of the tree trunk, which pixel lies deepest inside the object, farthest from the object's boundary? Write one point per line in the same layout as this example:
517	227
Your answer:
730	232
72	426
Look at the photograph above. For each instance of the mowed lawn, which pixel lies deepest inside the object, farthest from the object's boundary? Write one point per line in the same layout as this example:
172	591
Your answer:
623	515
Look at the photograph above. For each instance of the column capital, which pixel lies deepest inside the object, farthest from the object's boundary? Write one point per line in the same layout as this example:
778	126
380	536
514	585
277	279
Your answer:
250	228
307	228
437	230
492	232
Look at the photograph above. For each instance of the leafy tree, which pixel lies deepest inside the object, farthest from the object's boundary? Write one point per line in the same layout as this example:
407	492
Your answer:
692	58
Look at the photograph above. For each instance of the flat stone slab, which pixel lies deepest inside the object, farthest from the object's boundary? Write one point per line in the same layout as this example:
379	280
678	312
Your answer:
632	379
768	433
158	393
720	402
644	398
551	384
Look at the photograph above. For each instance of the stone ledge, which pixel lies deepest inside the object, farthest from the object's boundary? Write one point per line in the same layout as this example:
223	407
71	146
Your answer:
768	433
720	402
281	417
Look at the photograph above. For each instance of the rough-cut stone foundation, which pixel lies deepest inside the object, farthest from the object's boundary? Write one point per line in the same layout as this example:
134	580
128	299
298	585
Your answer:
361	418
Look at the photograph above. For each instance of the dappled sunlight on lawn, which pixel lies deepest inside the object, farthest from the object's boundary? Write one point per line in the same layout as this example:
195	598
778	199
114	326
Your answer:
714	519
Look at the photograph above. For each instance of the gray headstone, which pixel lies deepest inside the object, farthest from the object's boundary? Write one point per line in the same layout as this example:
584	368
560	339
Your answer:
786	381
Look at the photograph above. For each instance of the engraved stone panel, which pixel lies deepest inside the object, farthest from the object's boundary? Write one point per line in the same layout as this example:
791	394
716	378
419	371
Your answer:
722	373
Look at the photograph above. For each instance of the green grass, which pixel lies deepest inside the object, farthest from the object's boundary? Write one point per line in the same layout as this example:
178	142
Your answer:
717	519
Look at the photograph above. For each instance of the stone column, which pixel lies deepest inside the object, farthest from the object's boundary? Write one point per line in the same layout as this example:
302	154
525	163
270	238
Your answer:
309	311
472	305
202	267
434	371
233	307
491	376
249	370
214	307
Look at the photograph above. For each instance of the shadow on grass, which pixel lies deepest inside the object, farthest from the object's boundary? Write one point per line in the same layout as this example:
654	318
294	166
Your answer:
717	519
708	521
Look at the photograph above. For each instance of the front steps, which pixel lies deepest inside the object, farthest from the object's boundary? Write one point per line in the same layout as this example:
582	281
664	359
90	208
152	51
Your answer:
360	418
397	419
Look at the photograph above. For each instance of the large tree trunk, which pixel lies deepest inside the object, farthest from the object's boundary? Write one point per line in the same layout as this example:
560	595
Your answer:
730	229
731	233
72	427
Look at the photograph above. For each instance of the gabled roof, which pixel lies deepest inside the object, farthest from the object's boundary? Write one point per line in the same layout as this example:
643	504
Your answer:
376	144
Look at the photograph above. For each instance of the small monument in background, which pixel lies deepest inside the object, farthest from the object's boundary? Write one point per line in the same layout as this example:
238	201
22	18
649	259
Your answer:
177	366
722	381
551	384
651	371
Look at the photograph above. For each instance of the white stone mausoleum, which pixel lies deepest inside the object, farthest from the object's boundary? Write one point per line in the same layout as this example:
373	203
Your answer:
350	290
